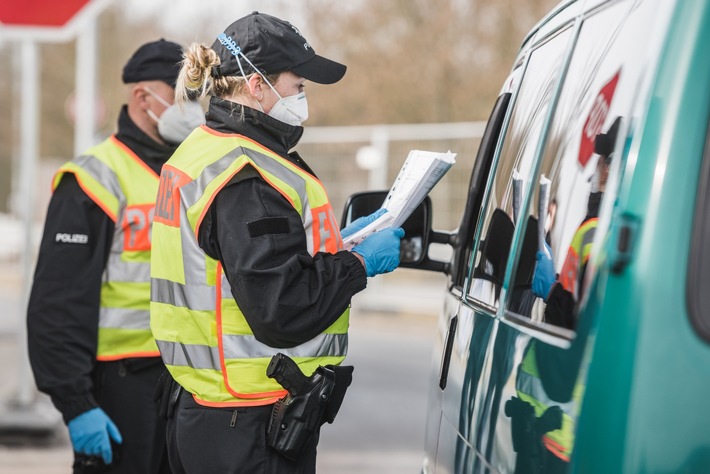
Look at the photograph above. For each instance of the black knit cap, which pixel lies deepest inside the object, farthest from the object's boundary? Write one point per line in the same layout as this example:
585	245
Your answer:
272	45
155	61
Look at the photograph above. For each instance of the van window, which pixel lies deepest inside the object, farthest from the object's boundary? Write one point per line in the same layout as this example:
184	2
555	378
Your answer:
516	160
580	160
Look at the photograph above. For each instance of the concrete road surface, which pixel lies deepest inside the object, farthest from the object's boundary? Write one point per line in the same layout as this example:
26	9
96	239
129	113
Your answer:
380	428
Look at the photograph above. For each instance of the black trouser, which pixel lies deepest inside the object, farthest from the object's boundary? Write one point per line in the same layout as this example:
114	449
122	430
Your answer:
124	390
228	441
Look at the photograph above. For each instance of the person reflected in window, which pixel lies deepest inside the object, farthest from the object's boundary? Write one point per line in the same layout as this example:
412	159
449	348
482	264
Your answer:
562	292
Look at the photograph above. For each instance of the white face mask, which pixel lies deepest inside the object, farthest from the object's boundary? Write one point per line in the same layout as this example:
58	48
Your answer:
177	121
292	110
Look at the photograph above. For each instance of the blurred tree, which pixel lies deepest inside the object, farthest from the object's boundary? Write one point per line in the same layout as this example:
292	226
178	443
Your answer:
417	60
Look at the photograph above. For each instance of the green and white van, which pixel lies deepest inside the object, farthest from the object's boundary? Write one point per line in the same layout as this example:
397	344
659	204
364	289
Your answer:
596	161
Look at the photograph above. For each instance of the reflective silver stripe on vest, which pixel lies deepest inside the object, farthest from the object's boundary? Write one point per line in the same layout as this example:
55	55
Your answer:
532	386
323	345
192	255
120	271
226	288
102	173
197	298
189	355
124	318
200	356
297	183
191	192
307	219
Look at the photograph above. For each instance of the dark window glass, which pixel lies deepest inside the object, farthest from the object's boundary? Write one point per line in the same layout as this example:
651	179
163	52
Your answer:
516	160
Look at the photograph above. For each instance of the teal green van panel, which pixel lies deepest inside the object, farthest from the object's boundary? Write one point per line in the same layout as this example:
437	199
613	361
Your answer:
645	369
646	406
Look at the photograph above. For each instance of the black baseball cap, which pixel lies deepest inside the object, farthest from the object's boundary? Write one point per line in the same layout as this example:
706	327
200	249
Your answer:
604	142
272	46
155	61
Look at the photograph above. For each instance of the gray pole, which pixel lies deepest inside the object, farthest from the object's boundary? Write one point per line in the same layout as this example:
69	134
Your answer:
85	89
29	139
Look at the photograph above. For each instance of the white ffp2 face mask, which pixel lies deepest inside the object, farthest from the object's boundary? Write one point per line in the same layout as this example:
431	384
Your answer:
177	121
292	110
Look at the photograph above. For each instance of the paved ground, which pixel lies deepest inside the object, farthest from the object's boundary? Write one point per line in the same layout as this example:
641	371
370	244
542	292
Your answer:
380	428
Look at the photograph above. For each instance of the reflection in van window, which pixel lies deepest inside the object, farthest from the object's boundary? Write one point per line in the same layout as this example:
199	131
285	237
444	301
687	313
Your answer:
594	105
562	291
515	165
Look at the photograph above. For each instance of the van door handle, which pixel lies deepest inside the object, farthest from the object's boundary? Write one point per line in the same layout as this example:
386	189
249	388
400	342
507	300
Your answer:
624	233
448	348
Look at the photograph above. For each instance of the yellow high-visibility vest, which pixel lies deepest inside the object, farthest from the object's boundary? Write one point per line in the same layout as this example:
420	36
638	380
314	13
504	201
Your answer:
203	336
123	186
528	387
577	256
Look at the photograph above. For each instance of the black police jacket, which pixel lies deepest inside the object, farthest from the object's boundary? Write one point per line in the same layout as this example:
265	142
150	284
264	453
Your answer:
63	310
287	296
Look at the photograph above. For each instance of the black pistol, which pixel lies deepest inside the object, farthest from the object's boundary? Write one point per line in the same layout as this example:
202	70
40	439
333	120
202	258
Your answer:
311	401
286	372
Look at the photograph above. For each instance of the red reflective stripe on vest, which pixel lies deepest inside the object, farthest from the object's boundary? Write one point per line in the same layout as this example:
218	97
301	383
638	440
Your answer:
333	241
136	227
568	274
220	345
555	448
128	355
268	401
167	210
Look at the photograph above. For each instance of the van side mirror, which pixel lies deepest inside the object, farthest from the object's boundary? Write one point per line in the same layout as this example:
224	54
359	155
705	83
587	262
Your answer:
418	233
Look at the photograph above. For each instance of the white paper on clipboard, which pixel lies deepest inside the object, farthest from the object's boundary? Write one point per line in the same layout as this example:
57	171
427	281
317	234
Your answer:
418	175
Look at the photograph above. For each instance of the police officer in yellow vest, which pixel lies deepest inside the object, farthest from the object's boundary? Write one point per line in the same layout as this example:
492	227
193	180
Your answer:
248	259
563	292
89	336
544	412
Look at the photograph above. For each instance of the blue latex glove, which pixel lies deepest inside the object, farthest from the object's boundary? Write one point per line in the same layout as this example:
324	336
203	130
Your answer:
380	251
544	276
90	431
361	222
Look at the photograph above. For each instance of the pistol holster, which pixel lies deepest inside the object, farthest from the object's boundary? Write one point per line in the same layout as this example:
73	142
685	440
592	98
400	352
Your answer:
296	418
